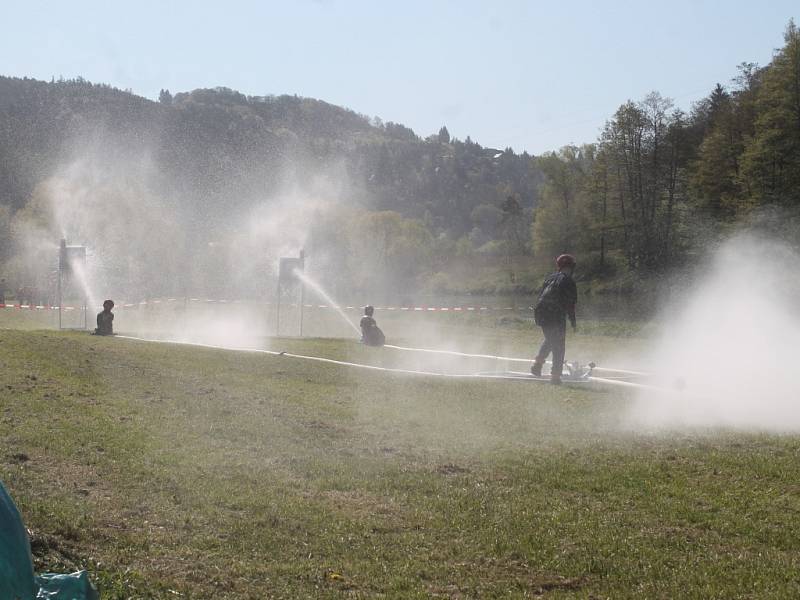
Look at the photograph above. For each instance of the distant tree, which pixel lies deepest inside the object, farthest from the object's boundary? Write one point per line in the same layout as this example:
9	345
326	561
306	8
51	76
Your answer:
391	251
512	224
715	179
444	136
486	217
512	212
598	208
642	146
164	97
771	162
555	229
5	234
718	102
726	121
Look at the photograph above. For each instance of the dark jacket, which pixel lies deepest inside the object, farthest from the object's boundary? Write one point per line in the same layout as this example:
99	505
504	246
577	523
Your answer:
557	300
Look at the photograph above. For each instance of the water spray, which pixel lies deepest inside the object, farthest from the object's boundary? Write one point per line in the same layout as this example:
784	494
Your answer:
291	271
331	302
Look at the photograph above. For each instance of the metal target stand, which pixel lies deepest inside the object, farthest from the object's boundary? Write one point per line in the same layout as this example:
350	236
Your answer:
288	279
68	258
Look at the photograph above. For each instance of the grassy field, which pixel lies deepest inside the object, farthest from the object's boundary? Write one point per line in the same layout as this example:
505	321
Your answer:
183	472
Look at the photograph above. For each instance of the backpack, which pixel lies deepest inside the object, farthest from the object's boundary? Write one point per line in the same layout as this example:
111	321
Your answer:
548	308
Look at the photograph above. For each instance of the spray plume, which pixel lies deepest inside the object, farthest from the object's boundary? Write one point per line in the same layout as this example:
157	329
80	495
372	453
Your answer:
730	346
331	302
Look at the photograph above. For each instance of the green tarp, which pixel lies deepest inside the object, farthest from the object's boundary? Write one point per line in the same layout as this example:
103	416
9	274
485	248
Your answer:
17	581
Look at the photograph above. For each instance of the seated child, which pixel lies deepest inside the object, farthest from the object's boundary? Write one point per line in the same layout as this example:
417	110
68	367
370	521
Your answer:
105	319
371	334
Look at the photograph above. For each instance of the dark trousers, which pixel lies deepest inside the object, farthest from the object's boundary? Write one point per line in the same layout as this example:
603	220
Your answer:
555	341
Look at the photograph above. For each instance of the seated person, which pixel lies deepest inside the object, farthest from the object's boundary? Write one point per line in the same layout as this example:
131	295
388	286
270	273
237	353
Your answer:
105	319
371	334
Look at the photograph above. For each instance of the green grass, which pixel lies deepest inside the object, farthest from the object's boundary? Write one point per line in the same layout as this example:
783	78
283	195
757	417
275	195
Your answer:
170	470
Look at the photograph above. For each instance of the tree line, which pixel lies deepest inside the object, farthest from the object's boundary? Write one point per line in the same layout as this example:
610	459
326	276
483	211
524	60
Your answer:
390	209
660	183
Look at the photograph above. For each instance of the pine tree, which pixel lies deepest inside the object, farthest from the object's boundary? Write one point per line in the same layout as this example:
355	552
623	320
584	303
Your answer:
771	162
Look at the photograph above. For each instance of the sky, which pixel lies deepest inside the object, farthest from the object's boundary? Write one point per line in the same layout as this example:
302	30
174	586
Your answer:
532	75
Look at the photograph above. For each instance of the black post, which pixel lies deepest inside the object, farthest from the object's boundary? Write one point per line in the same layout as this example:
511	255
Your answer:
302	288
62	261
278	309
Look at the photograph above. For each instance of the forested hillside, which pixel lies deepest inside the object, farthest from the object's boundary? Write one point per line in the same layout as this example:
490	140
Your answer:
219	147
212	156
201	191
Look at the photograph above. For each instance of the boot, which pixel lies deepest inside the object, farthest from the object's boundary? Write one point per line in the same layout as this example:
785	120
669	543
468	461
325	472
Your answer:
536	368
555	375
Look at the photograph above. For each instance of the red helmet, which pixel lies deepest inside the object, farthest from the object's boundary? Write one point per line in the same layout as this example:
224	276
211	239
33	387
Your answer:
566	260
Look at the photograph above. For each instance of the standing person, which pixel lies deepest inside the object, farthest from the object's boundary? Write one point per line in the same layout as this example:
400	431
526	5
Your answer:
105	319
3	291
371	334
556	302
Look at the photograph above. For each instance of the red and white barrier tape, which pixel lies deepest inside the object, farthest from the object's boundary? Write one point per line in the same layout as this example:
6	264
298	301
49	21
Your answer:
37	307
290	305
